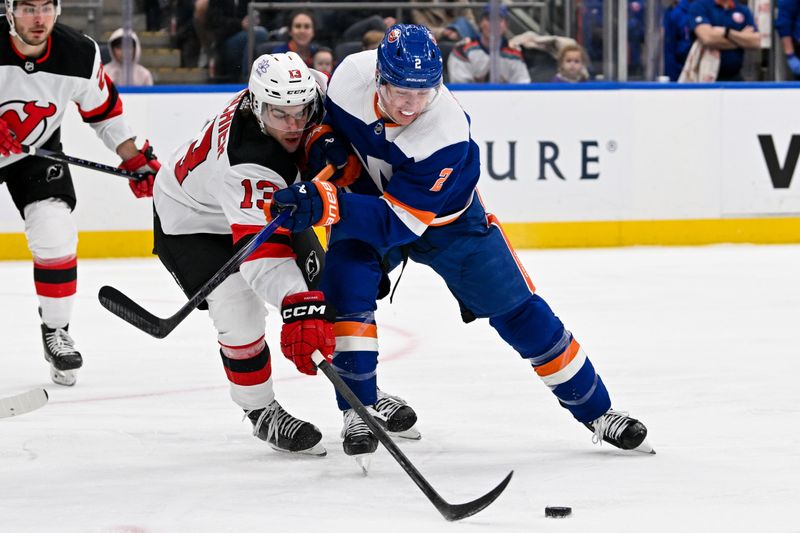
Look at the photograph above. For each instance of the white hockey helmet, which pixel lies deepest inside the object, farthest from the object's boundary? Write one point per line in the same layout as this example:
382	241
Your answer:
11	5
284	80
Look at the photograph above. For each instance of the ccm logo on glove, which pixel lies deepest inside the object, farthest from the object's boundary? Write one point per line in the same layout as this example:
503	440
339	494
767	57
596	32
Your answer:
301	311
307	326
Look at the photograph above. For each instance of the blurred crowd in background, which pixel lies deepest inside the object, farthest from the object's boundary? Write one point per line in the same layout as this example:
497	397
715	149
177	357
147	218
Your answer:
564	41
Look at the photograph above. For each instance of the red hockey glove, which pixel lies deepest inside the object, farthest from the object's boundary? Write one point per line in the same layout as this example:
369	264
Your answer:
324	146
8	142
307	327
144	162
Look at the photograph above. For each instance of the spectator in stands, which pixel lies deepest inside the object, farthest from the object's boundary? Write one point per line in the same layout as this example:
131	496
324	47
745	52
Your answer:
636	31
787	23
229	22
188	29
139	74
301	36
677	37
590	33
356	31
371	40
469	61
335	26
572	61
541	53
322	60
727	26
153	14
446	24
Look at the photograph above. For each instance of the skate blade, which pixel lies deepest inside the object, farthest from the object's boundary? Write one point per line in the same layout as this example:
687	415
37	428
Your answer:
644	447
411	433
318	450
67	378
364	461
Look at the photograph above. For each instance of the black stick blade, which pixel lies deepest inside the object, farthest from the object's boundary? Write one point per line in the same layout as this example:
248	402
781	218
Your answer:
449	511
133	313
453	512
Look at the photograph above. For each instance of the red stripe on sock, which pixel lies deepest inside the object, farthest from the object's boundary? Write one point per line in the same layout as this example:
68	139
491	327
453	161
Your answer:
56	290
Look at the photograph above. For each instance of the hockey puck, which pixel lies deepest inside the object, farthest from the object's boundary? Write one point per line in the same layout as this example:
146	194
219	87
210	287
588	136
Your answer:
557	512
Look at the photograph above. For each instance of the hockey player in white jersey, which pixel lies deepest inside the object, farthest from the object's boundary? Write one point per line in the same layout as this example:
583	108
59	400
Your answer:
417	199
45	67
209	201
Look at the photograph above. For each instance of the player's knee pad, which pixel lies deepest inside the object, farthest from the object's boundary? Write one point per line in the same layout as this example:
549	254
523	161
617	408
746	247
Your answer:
530	328
237	312
50	229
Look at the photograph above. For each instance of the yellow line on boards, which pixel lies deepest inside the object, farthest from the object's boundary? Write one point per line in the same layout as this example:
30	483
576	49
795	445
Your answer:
653	232
91	244
139	243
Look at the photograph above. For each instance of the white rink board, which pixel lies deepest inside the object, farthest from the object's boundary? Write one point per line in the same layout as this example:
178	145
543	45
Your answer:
665	154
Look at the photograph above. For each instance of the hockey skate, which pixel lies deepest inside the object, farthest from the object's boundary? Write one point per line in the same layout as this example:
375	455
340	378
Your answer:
396	416
620	430
285	433
60	352
358	440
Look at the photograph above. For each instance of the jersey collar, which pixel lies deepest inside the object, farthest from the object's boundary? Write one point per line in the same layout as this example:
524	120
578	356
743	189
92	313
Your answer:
386	122
25	58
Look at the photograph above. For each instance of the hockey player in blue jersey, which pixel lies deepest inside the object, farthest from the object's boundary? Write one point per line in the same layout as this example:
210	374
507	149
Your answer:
416	199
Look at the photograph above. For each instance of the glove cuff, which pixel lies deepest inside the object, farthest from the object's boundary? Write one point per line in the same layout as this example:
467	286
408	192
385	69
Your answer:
306	305
329	194
141	159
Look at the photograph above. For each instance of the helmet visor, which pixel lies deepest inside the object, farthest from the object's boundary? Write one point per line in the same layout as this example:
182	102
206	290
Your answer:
402	102
28	11
289	119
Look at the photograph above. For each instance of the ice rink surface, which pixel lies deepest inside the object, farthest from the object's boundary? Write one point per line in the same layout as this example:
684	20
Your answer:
699	343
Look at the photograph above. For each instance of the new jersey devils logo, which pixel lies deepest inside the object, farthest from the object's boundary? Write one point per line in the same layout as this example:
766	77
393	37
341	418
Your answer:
27	120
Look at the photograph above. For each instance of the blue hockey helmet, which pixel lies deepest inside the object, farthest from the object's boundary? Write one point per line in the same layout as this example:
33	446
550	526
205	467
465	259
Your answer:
409	57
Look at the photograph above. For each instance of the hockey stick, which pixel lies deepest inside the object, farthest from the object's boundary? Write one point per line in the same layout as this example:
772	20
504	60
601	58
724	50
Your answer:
22	403
62	158
451	512
132	313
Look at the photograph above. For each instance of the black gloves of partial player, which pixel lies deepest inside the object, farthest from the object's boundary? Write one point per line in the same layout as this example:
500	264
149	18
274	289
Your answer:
323	147
144	162
8	141
311	203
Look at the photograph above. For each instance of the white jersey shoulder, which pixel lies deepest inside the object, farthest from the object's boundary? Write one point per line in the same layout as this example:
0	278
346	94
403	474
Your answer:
199	189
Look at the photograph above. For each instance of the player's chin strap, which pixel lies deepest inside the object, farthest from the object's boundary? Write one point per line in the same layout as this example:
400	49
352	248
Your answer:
13	27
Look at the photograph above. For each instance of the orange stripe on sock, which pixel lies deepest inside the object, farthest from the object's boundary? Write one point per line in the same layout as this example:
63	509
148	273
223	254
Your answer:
355	329
561	361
